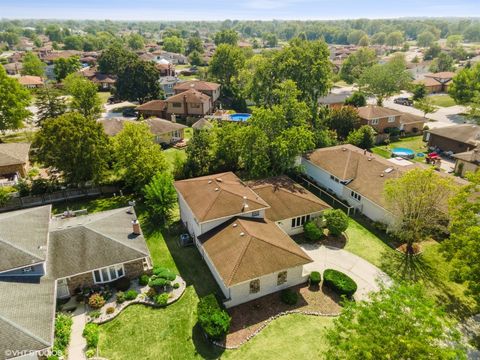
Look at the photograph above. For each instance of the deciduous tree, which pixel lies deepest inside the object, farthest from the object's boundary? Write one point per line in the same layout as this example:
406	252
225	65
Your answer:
174	44
85	98
226	64
138	81
14	99
229	37
356	63
49	103
160	196
64	67
364	137
32	65
342	120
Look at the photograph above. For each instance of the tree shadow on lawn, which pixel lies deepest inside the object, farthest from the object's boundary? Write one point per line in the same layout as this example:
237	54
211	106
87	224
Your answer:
203	346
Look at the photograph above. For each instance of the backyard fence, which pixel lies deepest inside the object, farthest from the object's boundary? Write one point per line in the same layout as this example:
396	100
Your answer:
16	203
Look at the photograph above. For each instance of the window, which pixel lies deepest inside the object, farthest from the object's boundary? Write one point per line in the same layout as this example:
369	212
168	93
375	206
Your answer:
195	106
27	269
255	213
299	221
374	122
334	178
254	286
281	278
391	119
356	196
108	274
176	133
177	105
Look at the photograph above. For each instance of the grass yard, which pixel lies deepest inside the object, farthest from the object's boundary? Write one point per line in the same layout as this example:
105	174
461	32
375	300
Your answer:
172	153
442	100
104	95
412	142
19	136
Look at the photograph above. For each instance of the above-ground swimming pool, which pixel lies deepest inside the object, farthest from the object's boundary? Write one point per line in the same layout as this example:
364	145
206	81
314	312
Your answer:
403	152
240	117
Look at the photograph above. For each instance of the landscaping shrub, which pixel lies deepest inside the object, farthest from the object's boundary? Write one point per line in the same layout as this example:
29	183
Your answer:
122	284
315	278
90	333
339	282
212	318
312	231
151	292
110	310
90	353
337	221
143	280
289	297
63	329
131	294
162	299
164	273
159	283
120	297
96	301
176	285
94	314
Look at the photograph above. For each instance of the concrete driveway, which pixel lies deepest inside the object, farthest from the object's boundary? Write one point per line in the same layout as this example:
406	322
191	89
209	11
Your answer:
367	276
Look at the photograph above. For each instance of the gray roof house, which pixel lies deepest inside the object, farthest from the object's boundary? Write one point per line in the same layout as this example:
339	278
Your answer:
45	258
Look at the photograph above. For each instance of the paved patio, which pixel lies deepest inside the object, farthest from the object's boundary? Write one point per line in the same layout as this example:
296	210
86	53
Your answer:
367	276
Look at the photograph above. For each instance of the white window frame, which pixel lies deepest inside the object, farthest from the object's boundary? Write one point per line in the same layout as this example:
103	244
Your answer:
374	122
255	213
391	119
117	270
299	221
355	195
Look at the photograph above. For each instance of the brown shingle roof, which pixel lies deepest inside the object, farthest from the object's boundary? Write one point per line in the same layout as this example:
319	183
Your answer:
202	124
14	154
428	81
464	133
113	126
217	196
444	75
30	80
243	249
191	96
286	198
197	85
407	118
374	112
154	105
162	126
472	156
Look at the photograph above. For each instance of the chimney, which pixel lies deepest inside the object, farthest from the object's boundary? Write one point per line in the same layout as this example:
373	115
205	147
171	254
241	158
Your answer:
245	204
136	227
174	118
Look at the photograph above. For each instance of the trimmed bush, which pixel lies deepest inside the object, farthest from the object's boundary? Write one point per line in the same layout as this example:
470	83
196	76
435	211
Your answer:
90	333
96	301
120	297
212	318
151	292
315	278
339	282
63	329
159	283
143	280
94	314
110	310
289	297
176	285
164	273
312	231
90	353
131	294
337	221
122	284
161	299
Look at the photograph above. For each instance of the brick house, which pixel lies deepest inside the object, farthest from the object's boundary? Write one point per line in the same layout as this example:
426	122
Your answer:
45	258
457	138
208	88
379	118
189	103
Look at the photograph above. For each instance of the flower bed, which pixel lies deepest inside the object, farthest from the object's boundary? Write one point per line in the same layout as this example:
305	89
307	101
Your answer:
112	307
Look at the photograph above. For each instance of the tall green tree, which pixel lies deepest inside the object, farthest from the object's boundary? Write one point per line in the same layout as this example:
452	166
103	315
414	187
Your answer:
426	106
356	63
384	80
462	248
66	66
75	145
400	322
14	99
229	37
160	196
50	104
114	59
32	65
226	147
85	98
194	44
136	42
199	155
343	121
465	87
425	39
357	99
395	38
443	62
137	157
174	44
138	81
226	64
364	137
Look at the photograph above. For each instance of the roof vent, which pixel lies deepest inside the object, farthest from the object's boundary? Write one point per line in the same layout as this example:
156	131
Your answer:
216	189
344	149
381	175
209	181
388	170
219	179
136	227
369	159
235	225
242	234
245	205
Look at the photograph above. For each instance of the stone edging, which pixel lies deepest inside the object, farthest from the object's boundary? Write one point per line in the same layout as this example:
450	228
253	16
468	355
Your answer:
268	321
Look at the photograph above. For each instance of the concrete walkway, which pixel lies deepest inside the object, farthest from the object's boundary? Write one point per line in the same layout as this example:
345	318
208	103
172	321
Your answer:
367	276
77	346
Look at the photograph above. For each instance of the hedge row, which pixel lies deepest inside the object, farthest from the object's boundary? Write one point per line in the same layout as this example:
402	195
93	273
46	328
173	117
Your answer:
339	282
212	318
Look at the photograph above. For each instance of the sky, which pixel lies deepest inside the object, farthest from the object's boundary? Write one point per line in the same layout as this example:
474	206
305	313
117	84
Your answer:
237	9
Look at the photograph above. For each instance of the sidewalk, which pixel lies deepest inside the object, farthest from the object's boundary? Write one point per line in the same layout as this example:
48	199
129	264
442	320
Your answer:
77	346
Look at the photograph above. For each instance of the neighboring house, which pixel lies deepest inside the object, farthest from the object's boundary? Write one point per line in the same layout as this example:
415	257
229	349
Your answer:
443	78
13	68
168	83
202	124
457	138
410	123
163	131
468	161
208	88
14	161
45	258
189	103
291	205
431	85
174	58
334	100
30	82
242	237
379	118
152	108
103	81
165	68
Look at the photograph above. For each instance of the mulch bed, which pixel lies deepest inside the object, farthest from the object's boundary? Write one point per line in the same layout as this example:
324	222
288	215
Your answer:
248	317
403	249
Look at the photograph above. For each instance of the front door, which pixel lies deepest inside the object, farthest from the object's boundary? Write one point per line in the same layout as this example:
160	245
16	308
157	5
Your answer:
62	289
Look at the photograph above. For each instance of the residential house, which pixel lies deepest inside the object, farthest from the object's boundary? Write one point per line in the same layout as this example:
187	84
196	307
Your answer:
168	83
432	86
45	258
456	139
443	78
202	124
13	68
334	100
379	118
190	103
31	82
14	161
103	81
165	68
411	124
174	58
208	88
244	238
152	108
468	161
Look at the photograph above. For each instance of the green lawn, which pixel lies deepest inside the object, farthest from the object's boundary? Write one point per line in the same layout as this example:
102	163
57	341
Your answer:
442	100
104	95
172	153
18	136
412	142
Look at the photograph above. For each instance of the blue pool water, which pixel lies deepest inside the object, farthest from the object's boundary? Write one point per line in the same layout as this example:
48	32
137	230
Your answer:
404	152
240	117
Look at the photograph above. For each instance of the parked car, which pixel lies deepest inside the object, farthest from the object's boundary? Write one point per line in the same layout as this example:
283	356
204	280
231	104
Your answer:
130	112
113	100
403	101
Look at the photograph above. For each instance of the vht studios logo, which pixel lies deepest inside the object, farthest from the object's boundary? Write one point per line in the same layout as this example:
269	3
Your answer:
46	352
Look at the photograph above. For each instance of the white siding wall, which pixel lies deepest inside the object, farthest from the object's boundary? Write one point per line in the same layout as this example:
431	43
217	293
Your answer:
322	177
213	270
286	225
204	227
367	207
187	217
268	284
